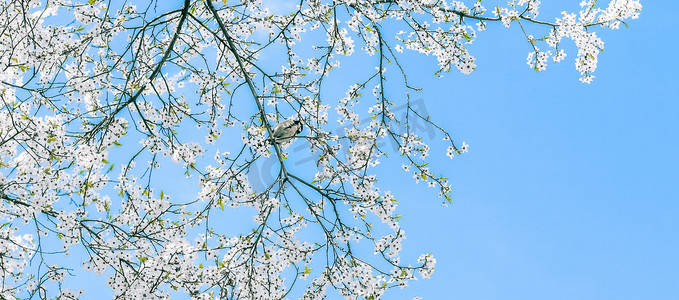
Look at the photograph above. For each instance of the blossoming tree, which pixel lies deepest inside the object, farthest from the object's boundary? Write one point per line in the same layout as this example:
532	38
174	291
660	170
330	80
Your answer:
101	99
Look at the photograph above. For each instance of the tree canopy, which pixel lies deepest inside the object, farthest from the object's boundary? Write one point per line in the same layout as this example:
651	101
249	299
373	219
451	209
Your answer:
104	101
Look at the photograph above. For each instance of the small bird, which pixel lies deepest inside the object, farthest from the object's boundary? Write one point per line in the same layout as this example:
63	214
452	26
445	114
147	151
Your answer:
286	130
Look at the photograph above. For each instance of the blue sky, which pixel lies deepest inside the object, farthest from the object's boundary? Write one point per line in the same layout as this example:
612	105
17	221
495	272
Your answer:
569	190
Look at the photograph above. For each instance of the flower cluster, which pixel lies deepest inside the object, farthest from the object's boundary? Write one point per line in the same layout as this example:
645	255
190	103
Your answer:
88	91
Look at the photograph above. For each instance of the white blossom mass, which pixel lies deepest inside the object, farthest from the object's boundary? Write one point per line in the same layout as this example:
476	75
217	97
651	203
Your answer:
103	100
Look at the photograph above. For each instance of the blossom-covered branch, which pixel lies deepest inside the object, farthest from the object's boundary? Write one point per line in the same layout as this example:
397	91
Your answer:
112	111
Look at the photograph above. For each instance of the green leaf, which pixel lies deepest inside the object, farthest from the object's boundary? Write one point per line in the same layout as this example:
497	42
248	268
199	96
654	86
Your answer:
91	2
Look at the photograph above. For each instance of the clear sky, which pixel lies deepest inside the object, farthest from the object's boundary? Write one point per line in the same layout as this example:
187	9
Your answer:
569	190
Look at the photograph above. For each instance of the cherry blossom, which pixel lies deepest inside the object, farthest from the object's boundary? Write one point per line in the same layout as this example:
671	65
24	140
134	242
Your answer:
101	104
